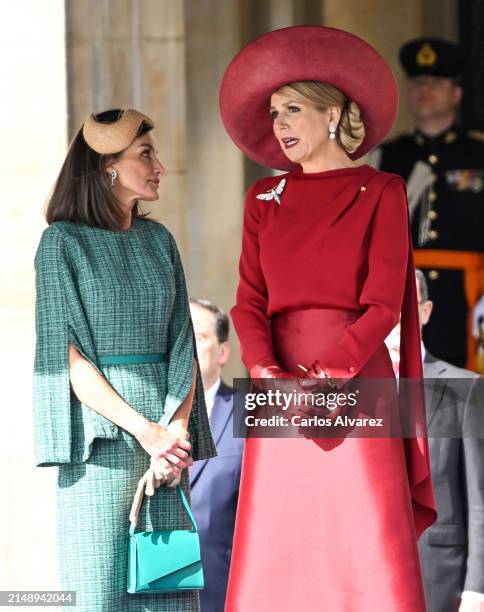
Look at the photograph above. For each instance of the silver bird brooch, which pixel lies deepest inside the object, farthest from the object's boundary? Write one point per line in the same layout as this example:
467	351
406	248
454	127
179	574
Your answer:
274	193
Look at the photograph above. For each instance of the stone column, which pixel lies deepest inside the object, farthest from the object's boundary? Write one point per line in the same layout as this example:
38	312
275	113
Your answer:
218	173
33	127
260	17
215	166
386	25
131	53
441	18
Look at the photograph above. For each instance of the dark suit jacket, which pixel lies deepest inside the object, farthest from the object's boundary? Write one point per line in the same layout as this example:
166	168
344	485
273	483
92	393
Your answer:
215	489
452	549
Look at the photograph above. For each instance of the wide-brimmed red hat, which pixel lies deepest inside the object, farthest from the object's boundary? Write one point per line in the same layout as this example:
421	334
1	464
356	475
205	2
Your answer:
304	53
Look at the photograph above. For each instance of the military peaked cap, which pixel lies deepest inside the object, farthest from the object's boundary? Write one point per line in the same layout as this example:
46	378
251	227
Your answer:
432	56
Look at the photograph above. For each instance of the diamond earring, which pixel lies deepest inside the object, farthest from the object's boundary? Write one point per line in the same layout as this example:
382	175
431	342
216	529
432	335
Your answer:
114	174
332	132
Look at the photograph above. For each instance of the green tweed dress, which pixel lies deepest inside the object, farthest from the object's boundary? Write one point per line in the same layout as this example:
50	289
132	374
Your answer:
111	293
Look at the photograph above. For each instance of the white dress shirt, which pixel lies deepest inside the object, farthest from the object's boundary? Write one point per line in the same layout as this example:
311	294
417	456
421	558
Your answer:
210	396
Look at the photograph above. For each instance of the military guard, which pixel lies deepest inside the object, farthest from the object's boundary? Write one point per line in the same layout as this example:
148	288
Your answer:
443	165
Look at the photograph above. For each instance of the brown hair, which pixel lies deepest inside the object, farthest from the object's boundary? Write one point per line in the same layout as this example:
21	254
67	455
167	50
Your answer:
82	192
222	324
351	129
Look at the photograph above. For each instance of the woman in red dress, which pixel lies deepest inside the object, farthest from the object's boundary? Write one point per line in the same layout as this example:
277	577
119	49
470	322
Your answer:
325	272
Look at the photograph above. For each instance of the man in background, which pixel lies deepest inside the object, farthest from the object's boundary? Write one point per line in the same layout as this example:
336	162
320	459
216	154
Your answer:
443	165
452	549
215	482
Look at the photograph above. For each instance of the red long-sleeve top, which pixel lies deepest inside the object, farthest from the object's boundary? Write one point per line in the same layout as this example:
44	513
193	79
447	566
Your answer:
338	239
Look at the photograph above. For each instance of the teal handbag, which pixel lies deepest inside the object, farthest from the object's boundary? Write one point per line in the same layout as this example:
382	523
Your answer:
165	561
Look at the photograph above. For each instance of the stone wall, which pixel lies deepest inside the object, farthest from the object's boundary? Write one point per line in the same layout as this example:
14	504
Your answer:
132	53
165	57
33	113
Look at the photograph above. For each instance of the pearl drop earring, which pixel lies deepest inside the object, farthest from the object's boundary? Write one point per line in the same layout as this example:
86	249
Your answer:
332	132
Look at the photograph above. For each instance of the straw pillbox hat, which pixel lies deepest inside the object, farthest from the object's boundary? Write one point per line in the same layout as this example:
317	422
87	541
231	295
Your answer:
110	138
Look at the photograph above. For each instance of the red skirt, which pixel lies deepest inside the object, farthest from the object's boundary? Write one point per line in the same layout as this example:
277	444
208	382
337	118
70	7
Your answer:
324	527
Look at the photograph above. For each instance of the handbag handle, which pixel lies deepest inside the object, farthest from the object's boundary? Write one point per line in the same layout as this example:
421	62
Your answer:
132	528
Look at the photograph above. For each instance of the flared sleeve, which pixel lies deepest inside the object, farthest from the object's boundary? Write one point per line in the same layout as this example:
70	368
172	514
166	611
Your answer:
181	351
64	429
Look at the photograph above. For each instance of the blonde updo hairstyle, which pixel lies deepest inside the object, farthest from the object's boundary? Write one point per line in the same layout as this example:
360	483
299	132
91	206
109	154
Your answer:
351	129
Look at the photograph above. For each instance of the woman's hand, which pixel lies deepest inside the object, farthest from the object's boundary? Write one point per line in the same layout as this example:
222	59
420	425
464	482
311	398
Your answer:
167	472
160	473
178	429
167	443
164	471
146	485
273	377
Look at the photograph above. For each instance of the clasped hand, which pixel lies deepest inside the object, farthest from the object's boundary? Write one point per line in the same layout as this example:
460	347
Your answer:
169	457
171	443
305	383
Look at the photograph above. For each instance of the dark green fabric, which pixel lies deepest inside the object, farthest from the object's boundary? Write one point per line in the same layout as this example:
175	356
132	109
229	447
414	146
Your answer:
110	293
127	359
93	503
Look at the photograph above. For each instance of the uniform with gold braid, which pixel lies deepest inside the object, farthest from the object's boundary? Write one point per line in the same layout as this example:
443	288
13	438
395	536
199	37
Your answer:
445	179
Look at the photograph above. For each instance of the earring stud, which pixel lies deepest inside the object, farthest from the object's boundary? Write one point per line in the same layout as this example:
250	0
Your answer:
114	175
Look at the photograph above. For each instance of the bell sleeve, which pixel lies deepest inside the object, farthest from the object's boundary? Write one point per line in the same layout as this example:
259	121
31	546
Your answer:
64	429
250	312
181	352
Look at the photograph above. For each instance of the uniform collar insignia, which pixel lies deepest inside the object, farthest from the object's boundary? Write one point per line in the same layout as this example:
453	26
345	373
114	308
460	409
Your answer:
447	137
450	137
419	139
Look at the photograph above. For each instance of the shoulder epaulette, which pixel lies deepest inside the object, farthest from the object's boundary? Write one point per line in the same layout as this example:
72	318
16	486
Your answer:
475	135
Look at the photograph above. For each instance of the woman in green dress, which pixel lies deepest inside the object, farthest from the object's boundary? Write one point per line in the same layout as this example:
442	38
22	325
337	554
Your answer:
118	399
